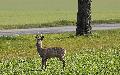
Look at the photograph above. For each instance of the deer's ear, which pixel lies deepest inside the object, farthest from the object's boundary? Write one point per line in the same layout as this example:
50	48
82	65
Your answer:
36	36
42	37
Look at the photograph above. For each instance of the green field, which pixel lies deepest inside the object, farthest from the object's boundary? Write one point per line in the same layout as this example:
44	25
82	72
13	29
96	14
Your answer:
97	54
33	13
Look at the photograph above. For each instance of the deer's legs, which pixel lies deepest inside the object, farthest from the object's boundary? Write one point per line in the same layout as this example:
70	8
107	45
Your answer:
61	59
43	63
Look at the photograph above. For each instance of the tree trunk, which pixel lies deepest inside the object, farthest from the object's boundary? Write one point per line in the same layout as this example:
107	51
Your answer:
84	17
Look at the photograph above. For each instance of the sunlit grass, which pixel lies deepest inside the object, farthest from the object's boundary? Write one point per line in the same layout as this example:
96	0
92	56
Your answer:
98	53
29	13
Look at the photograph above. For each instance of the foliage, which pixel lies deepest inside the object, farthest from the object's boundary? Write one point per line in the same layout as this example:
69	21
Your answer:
98	53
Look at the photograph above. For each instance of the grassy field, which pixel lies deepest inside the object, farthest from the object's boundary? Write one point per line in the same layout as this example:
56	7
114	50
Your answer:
97	54
40	13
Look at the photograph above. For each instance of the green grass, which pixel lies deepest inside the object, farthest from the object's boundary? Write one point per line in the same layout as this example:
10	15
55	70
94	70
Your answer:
97	54
29	13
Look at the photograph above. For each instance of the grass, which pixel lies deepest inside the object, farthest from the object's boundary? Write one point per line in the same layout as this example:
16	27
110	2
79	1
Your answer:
50	24
44	13
97	54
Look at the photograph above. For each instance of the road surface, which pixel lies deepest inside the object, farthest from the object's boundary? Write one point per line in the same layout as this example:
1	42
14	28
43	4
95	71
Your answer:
55	29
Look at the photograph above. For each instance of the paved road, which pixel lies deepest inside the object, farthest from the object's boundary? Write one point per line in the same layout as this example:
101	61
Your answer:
55	29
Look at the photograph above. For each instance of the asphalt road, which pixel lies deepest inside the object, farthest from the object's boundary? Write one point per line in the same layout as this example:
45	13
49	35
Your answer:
55	29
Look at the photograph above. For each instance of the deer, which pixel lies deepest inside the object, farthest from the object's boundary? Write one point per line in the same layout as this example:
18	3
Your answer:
47	53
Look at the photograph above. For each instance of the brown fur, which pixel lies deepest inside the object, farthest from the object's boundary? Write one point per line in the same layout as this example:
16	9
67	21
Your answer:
49	52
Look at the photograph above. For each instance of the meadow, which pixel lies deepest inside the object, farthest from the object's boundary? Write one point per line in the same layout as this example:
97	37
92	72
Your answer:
97	54
44	13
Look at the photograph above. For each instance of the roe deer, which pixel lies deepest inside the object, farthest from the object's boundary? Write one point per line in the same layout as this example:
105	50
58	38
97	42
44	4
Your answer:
49	52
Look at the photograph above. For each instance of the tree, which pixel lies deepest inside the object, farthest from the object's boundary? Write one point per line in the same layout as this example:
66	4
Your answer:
84	17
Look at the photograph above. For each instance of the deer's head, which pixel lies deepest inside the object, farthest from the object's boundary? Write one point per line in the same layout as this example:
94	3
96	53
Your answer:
39	38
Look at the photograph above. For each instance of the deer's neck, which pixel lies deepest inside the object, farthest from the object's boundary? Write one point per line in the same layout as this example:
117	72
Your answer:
39	48
39	44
